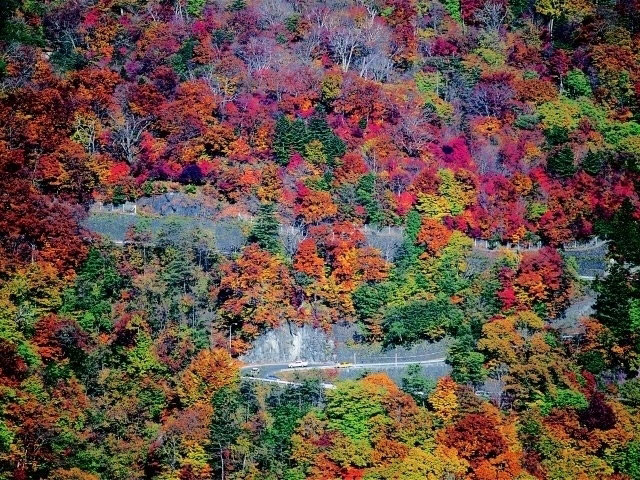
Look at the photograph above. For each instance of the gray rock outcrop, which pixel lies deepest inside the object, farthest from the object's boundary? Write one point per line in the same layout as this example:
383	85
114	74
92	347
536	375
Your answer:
177	203
291	342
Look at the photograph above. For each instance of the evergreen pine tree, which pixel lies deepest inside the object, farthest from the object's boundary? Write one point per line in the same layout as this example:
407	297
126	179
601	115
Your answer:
265	231
467	364
593	162
178	273
226	425
556	136
560	162
281	146
618	303
453	8
97	285
297	136
416	384
409	252
237	5
289	137
118	197
319	129
369	299
365	193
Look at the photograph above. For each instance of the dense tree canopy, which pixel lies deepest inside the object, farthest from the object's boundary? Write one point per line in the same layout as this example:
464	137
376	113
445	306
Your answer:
415	169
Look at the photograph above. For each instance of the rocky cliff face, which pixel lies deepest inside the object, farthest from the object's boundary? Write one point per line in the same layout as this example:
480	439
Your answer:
291	342
177	203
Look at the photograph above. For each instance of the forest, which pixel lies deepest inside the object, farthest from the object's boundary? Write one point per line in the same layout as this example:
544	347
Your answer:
493	140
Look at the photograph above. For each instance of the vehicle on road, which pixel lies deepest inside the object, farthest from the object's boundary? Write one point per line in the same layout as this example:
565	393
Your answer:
482	393
254	371
344	365
298	364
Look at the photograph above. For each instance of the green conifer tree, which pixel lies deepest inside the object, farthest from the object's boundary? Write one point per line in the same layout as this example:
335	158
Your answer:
467	364
281	146
297	136
365	193
560	162
265	230
319	129
594	162
178	273
453	7
416	384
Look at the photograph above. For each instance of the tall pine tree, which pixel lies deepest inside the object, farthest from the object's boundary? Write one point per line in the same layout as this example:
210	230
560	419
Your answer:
560	162
294	136
265	230
333	146
467	364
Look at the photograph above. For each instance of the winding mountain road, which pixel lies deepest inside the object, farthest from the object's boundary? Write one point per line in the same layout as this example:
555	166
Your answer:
268	371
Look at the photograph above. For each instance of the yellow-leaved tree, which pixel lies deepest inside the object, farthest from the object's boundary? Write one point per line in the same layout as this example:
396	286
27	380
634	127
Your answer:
573	10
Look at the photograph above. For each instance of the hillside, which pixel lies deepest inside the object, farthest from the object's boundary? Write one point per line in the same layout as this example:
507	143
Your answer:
319	240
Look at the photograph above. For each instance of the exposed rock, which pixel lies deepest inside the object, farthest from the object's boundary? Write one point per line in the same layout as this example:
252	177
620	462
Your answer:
291	342
176	203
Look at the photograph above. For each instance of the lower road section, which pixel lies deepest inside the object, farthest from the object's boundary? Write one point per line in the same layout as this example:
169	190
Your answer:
267	372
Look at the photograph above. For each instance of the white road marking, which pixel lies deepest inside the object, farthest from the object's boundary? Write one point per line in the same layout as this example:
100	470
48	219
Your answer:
328	386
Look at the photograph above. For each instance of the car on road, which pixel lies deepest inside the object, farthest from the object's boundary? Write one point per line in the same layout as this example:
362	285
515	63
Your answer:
298	364
254	371
344	365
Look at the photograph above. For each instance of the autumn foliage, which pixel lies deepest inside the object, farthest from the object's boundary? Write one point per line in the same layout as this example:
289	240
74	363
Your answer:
407	171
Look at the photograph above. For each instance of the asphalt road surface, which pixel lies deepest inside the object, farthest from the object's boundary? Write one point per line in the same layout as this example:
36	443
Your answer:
268	371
